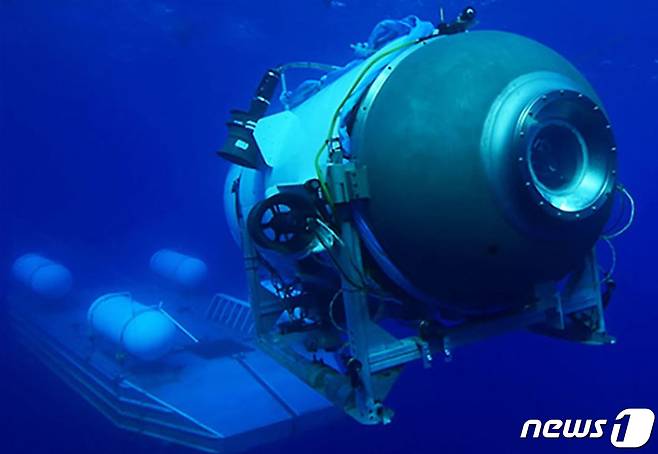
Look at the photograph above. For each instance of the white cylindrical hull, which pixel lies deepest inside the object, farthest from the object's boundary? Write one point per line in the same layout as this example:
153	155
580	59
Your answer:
181	269
43	276
144	332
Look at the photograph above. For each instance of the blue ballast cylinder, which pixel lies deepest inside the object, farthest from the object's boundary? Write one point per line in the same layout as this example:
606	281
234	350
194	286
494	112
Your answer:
143	331
43	276
182	269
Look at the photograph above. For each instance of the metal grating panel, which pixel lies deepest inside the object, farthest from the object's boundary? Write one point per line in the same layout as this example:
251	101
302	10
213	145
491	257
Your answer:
231	312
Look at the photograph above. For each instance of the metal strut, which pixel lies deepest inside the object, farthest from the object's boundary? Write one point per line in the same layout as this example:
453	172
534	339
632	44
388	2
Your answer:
355	300
347	182
376	357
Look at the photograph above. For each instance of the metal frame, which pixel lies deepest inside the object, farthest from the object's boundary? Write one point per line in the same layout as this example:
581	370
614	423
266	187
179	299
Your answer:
131	401
574	313
124	403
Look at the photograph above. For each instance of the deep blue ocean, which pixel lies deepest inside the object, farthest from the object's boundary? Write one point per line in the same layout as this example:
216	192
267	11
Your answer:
110	116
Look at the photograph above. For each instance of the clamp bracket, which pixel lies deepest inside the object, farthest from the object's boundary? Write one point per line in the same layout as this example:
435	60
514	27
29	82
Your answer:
347	182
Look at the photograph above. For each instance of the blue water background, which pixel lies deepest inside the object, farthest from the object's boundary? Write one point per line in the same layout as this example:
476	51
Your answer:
110	116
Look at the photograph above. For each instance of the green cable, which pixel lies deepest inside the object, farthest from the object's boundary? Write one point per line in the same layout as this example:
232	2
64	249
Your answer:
334	119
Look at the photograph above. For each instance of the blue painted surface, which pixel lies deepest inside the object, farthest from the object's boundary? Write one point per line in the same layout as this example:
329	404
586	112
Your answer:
117	107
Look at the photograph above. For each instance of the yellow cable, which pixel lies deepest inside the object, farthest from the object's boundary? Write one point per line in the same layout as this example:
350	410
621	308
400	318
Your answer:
334	119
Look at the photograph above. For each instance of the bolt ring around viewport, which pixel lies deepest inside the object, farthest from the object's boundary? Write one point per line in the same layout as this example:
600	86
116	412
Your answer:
566	154
532	120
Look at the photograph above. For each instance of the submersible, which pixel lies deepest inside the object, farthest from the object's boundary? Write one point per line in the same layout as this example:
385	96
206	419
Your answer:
443	187
455	181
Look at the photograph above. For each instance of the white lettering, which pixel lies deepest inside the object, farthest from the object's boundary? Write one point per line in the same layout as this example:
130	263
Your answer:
577	433
526	428
638	428
598	428
632	428
553	424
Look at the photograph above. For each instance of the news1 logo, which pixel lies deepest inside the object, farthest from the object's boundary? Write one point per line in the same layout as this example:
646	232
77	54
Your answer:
631	429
